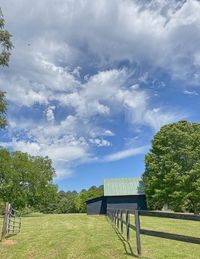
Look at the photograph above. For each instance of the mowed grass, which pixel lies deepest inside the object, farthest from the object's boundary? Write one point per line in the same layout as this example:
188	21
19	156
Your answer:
82	236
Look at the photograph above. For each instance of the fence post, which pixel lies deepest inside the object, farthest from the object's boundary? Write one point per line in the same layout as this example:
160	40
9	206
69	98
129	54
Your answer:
137	225
127	225
121	216
14	224
5	222
20	225
117	218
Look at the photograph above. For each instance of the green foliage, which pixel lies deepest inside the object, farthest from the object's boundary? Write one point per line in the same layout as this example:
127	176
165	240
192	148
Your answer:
72	202
84	195
67	205
2	207
26	211
2	110
26	180
5	42
5	47
172	168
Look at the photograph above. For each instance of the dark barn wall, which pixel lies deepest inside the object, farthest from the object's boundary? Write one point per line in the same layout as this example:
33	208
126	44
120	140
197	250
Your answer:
96	206
127	202
99	205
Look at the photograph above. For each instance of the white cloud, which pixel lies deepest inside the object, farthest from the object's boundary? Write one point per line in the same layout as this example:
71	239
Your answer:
71	138
161	33
70	65
50	114
99	132
62	171
100	142
190	92
157	118
57	152
126	153
22	92
108	133
31	148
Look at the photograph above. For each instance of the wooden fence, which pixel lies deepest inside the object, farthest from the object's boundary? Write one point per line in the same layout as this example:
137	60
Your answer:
11	222
121	217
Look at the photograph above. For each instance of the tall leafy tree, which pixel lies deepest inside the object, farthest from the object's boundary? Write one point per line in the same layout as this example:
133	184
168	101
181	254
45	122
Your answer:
26	180
172	168
5	48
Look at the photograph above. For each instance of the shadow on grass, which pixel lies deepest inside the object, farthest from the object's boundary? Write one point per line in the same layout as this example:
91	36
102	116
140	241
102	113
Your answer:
127	247
12	235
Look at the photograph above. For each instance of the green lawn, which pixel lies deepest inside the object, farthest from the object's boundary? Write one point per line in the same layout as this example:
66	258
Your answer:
82	236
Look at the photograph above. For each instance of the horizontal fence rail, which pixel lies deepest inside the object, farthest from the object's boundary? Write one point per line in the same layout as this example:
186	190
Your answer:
121	217
169	215
177	237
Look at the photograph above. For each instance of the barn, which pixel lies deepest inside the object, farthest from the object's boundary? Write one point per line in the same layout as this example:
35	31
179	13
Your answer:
119	193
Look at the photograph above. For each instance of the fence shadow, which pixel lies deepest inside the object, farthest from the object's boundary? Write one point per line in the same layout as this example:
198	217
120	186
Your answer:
11	235
116	216
126	245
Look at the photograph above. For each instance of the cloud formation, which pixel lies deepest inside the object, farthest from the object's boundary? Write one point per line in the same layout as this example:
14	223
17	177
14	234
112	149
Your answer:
83	71
126	153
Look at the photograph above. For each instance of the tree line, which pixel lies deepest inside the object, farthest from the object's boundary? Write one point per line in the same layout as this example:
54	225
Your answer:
73	201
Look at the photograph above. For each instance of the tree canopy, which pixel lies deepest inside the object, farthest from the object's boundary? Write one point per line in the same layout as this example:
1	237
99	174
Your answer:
172	168
5	41
26	180
2	110
5	48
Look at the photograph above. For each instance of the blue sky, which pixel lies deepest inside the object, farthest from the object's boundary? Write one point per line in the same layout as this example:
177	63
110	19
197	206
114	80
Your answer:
91	82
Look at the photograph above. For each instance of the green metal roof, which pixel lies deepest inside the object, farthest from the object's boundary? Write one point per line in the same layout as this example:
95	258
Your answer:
123	186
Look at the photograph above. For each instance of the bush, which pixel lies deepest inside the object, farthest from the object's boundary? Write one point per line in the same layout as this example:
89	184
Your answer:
27	211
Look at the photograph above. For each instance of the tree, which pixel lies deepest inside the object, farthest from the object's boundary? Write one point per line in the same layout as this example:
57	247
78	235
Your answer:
26	180
6	46
5	41
2	110
172	168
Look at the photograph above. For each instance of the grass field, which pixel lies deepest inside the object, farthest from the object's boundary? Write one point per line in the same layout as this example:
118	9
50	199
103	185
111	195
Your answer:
82	236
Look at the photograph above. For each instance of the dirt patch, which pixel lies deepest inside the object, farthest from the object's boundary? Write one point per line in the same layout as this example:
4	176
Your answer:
9	242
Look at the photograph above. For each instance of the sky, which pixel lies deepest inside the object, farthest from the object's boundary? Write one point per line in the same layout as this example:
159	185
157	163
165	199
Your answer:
91	82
